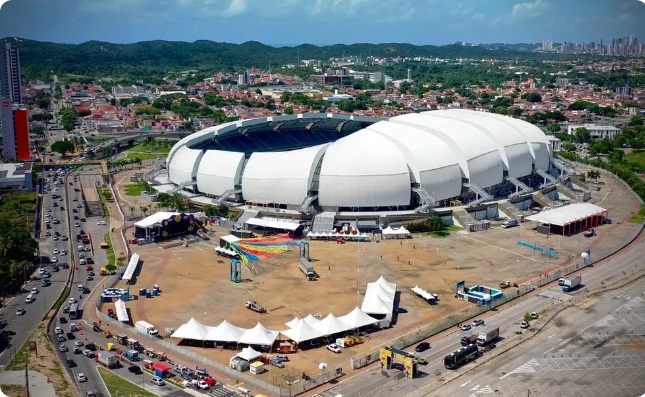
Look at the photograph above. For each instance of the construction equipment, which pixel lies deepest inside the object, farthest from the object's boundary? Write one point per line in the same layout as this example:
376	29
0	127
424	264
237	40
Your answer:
505	284
255	306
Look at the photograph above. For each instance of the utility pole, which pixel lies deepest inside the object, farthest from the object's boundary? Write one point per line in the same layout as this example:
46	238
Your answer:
27	379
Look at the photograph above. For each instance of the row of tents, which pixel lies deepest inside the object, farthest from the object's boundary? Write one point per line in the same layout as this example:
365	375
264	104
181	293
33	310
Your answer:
300	329
336	235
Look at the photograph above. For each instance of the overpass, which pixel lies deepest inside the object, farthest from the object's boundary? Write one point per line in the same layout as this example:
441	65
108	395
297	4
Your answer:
65	163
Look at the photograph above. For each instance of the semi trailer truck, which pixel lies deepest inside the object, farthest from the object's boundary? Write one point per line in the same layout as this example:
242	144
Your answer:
569	284
144	327
487	335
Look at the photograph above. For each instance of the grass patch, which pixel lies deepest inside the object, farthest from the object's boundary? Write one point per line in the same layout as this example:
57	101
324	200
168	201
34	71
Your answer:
22	357
109	251
119	387
62	299
637	218
135	189
14	390
442	233
637	158
144	156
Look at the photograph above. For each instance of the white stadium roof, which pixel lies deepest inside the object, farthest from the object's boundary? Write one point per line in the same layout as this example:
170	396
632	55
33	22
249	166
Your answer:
374	167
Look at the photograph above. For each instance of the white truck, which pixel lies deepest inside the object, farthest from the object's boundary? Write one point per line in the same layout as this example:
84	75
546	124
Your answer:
144	327
308	269
108	359
487	335
568	284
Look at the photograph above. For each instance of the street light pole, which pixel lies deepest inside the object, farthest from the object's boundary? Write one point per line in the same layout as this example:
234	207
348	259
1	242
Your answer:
204	339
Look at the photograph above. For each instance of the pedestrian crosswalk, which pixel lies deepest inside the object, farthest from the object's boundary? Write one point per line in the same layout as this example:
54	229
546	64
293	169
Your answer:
555	295
478	391
524	368
221	392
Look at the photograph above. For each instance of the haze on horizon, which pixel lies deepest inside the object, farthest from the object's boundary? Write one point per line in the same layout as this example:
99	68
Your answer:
323	22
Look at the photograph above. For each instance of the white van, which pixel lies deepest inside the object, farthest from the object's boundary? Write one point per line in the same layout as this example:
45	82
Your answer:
29	298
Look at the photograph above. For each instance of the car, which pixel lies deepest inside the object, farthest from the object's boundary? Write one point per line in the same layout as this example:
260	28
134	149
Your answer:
55	269
101	223
20	311
34	290
77	224
157	381
77	350
72	300
90	393
91	347
62	208
524	325
48	233
74	199
534	315
88	353
421	361
75	210
66	309
55	251
55	238
63	252
89	277
465	327
333	348
71	336
71	363
45	283
89	268
62	348
282	357
58	331
83	220
78	342
89	261
478	322
41	271
81	377
64	238
205	386
47	275
53	259
88	248
49	210
62	320
81	256
421	347
79	205
135	369
61	338
276	363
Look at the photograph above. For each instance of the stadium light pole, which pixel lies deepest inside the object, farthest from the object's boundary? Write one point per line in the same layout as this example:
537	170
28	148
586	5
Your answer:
204	338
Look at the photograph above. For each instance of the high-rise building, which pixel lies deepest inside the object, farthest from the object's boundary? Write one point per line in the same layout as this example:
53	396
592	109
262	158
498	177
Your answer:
10	74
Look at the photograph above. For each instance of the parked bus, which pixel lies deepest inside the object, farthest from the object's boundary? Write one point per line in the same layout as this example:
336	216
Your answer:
74	311
461	356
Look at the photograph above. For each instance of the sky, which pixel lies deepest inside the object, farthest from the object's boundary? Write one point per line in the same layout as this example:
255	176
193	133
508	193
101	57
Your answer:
323	22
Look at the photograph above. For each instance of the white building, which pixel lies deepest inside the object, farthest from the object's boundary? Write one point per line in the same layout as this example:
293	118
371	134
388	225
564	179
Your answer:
596	131
16	176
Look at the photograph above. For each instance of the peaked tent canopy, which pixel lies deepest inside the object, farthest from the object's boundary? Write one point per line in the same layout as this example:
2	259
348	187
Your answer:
248	354
193	329
258	335
376	289
302	332
225	332
294	323
388	286
330	325
375	305
357	318
311	320
121	311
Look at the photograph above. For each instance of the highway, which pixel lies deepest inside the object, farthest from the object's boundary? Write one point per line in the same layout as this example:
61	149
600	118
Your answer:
373	383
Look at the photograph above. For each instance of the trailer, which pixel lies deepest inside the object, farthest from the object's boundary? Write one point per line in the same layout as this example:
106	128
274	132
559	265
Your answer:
107	359
145	328
487	335
461	356
308	269
571	283
132	343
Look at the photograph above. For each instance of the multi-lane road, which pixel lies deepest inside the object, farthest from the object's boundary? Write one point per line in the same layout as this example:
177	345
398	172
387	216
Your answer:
372	383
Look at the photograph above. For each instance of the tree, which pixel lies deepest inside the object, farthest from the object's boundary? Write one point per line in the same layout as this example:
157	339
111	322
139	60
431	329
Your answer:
554	127
527	317
636	120
582	135
68	117
147	111
569	147
532	97
62	147
288	110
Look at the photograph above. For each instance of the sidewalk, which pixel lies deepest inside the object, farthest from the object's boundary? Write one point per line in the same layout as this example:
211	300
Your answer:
38	385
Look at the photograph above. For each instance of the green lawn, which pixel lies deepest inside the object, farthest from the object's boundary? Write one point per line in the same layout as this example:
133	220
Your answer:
24	355
145	156
111	258
443	233
117	386
636	158
134	189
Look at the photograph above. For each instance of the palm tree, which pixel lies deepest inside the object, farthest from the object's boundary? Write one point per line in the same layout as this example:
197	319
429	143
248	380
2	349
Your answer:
143	210
132	211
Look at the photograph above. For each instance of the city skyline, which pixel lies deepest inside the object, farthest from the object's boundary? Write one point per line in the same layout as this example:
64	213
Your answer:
323	22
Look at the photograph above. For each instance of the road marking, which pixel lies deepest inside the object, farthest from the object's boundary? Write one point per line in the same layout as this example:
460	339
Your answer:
462	385
551	336
476	387
524	368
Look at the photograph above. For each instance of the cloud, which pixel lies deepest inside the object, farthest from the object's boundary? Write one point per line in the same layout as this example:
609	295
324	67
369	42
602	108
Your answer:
524	11
236	7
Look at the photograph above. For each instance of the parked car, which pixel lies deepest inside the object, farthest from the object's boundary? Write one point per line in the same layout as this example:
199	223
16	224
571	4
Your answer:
157	381
78	342
333	348
276	363
524	325
58	331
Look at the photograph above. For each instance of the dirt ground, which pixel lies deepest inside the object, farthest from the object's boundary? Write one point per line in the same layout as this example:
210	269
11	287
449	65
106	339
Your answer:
195	281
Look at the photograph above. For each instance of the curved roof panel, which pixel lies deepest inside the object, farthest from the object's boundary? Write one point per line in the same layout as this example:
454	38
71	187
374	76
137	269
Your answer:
363	170
281	177
219	171
183	165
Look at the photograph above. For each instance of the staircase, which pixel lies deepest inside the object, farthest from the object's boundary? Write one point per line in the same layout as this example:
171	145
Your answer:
246	215
548	178
306	207
541	199
567	191
521	188
182	185
463	217
227	193
425	199
480	193
509	210
323	222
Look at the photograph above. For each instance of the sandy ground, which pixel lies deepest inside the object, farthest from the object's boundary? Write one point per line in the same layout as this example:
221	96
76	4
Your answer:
195	281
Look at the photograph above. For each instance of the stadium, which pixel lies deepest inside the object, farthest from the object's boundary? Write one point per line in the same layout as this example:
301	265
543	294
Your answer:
318	162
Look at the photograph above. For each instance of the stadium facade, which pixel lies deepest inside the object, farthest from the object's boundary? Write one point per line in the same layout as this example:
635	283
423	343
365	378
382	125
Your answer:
314	162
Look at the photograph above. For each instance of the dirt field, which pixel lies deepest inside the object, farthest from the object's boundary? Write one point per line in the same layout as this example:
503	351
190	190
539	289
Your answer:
195	281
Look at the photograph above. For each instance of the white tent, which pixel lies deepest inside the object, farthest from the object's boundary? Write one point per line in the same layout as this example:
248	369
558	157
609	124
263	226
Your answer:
311	320
294	323
374	305
248	354
258	335
401	232
423	293
388	286
357	318
376	289
2	394
225	332
193	329
330	325
302	332
121	311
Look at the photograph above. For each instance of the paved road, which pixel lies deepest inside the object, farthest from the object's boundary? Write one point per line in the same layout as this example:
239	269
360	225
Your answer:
374	384
591	349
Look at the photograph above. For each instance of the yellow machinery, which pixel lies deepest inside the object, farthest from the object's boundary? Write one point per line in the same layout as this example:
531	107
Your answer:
390	356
